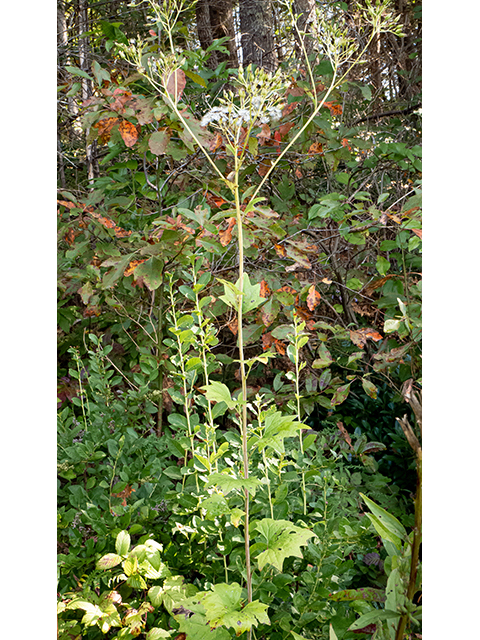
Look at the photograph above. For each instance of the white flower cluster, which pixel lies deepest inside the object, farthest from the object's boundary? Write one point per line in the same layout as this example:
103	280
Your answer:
232	117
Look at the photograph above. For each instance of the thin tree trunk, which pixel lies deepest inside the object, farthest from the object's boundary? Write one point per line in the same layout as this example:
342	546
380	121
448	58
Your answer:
258	44
215	21
84	59
307	26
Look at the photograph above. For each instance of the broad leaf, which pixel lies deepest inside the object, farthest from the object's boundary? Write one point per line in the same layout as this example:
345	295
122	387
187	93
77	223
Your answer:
277	428
122	543
226	483
283	539
224	607
108	561
219	392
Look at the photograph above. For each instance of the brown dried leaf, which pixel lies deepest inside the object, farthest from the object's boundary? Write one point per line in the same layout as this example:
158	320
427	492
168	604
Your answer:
313	298
129	133
175	83
226	235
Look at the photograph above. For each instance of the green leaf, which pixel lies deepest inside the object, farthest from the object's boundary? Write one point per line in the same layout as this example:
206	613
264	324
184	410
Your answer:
373	616
155	633
223	606
196	627
228	483
219	392
277	428
369	388
151	271
386	525
122	543
383	265
196	78
368	594
108	561
389	326
340	394
283	539
78	72
324	358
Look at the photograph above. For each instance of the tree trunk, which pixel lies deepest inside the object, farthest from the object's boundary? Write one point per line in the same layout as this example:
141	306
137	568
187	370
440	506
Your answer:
307	25
214	21
258	44
84	60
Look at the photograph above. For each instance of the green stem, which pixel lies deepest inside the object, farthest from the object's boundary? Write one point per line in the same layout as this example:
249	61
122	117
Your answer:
298	396
161	369
243	378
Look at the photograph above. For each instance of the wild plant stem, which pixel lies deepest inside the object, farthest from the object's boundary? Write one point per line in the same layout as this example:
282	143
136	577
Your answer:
298	396
243	378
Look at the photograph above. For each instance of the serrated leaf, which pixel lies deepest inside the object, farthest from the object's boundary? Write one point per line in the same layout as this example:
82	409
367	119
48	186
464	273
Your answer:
277	428
122	543
227	483
109	560
223	607
283	539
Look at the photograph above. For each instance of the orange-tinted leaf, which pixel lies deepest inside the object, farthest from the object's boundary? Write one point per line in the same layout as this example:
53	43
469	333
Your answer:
214	201
265	290
216	142
335	109
280	249
105	127
283	129
70	237
315	147
129	133
313	298
233	326
66	203
345	144
298	173
126	493
133	264
288	289
175	83
326	281
280	347
121	98
91	310
109	224
360	336
226	235
267	340
418	232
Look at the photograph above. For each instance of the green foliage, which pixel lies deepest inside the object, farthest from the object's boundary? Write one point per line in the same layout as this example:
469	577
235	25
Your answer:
238	418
